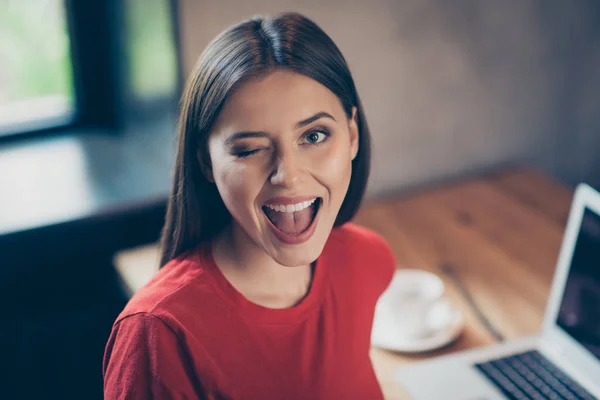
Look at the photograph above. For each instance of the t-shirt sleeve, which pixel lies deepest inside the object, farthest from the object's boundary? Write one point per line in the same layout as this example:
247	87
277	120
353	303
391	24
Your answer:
385	262
144	359
372	255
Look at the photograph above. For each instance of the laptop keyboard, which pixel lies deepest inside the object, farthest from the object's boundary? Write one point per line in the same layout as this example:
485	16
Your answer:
531	376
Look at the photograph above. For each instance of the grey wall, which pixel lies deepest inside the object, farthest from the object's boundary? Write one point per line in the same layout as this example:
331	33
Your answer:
453	87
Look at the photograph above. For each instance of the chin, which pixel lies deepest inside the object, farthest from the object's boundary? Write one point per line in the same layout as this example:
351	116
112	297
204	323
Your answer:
299	255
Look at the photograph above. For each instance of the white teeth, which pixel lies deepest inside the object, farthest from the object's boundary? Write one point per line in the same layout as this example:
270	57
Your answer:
291	207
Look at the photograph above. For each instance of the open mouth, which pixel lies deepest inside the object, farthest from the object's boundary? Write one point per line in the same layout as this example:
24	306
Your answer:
293	219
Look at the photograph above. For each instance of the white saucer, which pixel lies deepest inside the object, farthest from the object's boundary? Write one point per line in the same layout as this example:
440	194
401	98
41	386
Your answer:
384	337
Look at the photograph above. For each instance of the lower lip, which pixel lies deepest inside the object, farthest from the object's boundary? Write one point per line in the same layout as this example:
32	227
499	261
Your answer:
296	239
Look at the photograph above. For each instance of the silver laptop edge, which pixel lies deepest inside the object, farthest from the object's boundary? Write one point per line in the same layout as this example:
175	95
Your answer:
553	341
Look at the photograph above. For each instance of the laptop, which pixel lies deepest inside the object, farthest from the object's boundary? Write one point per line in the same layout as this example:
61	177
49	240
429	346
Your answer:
562	362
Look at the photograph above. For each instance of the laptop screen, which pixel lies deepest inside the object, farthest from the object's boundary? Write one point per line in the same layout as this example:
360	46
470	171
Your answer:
579	313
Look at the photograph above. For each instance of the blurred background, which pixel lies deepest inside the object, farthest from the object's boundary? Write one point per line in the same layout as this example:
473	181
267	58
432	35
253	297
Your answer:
88	101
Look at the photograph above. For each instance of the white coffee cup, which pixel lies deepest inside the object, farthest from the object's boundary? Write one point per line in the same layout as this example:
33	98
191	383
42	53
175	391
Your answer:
414	303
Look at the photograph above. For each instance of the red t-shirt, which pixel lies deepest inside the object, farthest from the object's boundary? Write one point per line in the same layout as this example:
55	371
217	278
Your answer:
190	334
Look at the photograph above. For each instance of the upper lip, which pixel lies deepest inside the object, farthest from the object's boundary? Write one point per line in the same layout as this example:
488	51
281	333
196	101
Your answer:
289	200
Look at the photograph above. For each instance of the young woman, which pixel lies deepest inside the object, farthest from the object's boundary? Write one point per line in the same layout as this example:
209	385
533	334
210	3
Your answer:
266	292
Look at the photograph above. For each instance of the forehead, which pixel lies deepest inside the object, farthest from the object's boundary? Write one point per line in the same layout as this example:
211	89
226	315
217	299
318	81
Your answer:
276	101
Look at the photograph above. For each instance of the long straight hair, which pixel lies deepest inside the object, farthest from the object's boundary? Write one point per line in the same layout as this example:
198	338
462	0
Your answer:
195	211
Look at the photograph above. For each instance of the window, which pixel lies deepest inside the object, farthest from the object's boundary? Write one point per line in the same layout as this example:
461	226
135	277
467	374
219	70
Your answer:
150	42
36	74
85	63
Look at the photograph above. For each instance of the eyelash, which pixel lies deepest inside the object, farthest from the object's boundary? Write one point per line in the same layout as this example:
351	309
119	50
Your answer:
247	153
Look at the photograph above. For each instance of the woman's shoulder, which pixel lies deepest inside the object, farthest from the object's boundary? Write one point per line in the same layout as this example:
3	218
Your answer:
176	285
358	238
352	245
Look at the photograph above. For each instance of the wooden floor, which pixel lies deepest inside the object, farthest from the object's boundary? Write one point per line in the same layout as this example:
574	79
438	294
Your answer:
501	233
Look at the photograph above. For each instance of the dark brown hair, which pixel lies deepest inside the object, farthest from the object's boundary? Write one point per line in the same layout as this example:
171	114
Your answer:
252	48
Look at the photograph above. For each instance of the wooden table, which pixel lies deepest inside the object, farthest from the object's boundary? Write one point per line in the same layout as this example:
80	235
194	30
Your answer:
501	232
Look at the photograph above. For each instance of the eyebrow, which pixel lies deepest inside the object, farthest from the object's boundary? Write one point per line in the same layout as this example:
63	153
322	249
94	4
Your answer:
244	135
251	134
315	117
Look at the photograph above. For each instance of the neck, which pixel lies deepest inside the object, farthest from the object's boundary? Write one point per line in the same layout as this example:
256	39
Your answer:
255	274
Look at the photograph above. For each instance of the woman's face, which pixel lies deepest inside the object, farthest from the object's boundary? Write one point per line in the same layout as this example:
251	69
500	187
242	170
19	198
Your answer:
281	156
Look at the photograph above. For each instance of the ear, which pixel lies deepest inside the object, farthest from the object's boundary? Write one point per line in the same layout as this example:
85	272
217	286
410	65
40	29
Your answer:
205	165
353	128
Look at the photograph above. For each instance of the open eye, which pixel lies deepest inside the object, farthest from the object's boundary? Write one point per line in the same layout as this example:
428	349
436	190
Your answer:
315	137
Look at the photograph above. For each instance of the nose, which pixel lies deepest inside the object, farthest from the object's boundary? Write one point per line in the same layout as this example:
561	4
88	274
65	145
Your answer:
286	171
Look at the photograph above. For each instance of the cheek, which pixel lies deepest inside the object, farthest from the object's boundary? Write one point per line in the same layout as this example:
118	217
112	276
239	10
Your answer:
334	168
238	186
